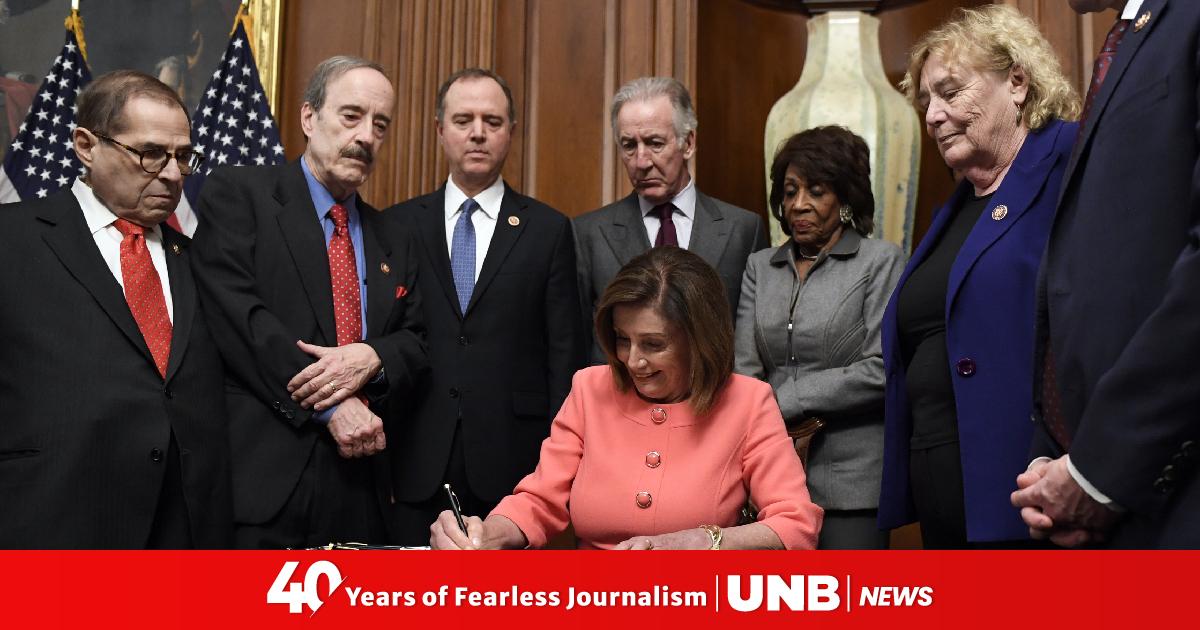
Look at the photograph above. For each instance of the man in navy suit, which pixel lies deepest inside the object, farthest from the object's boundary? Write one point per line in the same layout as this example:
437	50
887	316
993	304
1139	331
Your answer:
1119	300
499	297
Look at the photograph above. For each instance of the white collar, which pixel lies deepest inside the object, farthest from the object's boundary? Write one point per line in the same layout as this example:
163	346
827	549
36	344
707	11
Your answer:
489	199
1131	9
95	213
684	201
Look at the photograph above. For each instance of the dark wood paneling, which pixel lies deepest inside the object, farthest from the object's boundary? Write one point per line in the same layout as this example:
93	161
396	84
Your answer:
566	102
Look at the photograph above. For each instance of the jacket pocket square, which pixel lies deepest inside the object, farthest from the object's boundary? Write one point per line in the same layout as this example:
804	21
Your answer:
401	291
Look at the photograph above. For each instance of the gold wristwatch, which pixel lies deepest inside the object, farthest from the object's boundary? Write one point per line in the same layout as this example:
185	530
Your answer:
715	534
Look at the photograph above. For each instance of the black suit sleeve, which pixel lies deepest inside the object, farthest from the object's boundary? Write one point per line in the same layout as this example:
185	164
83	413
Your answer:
1133	431
403	350
563	319
256	346
586	299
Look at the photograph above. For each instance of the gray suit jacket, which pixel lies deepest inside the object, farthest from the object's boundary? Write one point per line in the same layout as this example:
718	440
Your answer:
607	238
833	365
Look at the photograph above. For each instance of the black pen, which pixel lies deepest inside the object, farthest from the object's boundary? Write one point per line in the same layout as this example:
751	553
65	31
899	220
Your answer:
454	505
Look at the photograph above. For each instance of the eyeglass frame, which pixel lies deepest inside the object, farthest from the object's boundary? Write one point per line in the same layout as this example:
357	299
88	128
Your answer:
199	157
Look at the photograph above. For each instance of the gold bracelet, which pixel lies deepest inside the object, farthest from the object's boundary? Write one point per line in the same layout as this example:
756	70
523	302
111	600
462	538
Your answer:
715	534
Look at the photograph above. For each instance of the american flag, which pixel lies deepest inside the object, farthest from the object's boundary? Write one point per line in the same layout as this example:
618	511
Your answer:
233	124
41	160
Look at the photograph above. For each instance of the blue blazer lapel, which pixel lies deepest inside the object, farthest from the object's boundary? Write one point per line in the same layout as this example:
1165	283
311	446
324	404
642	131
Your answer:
1024	181
1131	42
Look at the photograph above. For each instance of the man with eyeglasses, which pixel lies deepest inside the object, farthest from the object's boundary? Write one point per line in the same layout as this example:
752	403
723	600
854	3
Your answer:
114	432
315	310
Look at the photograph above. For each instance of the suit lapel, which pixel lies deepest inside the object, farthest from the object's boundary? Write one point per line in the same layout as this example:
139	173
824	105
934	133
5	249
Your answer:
306	243
71	242
710	230
431	223
183	297
510	223
381	293
1024	181
1131	42
626	234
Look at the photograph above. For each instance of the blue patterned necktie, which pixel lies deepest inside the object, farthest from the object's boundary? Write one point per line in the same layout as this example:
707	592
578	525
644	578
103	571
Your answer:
462	254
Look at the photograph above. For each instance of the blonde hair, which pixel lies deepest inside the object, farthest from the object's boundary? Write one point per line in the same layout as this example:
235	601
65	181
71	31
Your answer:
996	37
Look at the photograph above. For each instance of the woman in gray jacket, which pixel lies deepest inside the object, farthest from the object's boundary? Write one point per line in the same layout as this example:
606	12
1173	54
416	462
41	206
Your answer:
808	323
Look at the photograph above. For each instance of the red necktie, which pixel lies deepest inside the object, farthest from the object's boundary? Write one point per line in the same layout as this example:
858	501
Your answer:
1103	62
1051	402
666	228
343	271
144	293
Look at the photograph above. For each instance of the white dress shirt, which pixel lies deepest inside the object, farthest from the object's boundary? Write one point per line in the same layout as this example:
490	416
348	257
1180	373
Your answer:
108	240
483	219
1131	9
683	217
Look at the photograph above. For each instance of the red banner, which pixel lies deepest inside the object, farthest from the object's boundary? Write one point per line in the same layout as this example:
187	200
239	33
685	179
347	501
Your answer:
656	589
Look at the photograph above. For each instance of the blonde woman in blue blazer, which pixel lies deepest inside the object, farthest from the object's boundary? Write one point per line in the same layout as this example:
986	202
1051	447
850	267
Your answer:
958	333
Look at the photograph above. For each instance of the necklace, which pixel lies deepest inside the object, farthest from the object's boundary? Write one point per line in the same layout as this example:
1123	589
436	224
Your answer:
804	256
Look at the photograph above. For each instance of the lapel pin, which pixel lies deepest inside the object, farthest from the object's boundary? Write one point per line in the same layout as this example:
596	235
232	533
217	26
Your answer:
385	268
1141	22
401	291
514	221
176	248
999	212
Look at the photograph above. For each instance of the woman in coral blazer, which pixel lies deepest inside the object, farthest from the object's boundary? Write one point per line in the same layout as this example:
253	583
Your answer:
661	448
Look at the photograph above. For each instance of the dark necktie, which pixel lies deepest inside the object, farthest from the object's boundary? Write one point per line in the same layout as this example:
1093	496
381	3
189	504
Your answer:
343	272
666	228
462	254
1050	399
1103	62
144	293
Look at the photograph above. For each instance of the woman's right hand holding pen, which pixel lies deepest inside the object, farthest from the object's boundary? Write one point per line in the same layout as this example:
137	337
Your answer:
497	532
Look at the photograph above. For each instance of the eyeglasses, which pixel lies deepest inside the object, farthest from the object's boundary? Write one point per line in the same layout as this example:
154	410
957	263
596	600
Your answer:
155	160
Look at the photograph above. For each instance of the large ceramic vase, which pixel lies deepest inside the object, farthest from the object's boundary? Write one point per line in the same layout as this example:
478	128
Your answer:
843	83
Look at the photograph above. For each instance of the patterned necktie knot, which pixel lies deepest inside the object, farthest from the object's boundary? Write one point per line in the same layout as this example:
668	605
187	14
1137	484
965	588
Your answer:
340	217
127	228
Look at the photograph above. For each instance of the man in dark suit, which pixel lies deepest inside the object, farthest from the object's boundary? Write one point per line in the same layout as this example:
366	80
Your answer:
288	256
655	130
1119	300
114	431
499	296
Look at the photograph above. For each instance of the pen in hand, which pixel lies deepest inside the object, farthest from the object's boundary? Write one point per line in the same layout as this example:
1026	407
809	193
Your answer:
456	508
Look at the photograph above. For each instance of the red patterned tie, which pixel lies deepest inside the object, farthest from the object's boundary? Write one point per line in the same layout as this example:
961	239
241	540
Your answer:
343	271
144	293
666	228
1103	62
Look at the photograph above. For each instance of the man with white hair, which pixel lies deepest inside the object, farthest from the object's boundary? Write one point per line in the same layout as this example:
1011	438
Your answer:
655	130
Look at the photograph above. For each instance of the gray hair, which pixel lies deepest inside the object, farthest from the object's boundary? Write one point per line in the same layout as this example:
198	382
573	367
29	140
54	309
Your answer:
650	88
329	70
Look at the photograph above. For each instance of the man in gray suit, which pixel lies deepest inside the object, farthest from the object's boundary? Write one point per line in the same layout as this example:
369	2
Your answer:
655	129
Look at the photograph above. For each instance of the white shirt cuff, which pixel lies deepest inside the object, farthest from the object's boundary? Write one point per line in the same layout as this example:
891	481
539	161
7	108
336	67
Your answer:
1091	490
